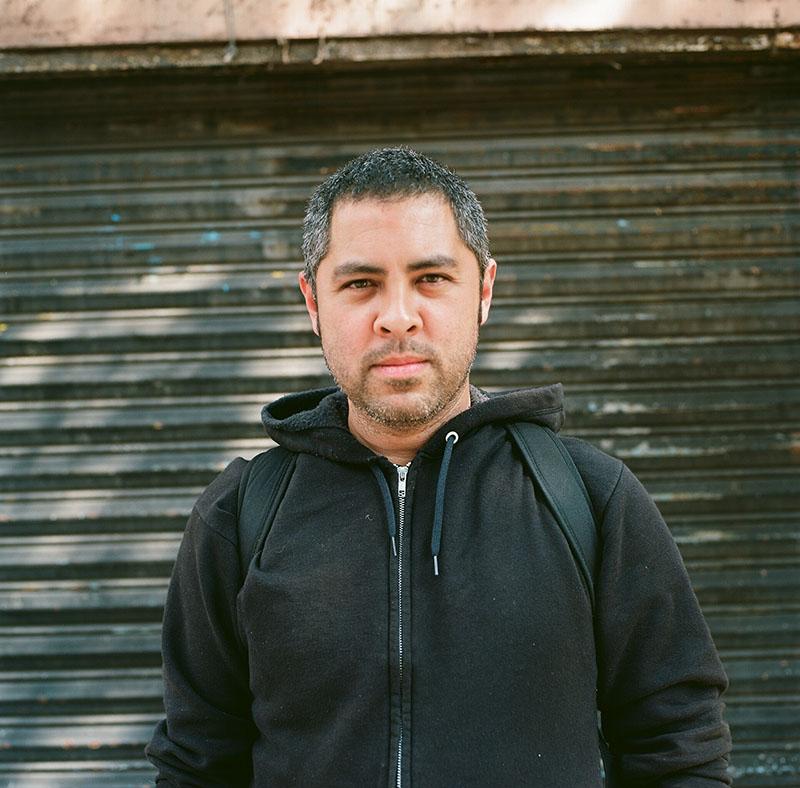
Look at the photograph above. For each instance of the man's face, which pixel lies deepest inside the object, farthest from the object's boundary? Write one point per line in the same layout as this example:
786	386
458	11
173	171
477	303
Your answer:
398	304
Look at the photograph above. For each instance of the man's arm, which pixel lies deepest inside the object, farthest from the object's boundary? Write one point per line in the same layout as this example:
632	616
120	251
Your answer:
207	735
660	678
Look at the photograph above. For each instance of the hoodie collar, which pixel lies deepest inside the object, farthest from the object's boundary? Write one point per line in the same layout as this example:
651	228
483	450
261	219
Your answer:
315	422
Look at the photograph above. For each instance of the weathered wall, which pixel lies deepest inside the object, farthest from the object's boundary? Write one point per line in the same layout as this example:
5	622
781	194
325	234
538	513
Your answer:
646	221
75	23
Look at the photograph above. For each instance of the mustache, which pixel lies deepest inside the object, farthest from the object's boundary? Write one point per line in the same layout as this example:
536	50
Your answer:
410	347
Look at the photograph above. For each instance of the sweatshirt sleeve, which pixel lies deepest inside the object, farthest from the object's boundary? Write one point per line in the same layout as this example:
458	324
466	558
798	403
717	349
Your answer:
660	679
207	734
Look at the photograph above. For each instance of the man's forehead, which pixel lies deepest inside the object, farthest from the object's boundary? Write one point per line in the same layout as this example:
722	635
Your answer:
415	219
348	203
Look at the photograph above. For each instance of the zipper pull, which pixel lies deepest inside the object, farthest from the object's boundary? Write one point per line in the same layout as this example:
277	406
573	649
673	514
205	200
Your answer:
402	473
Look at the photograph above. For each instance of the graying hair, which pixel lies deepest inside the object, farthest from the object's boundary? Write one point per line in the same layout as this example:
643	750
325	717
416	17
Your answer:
387	173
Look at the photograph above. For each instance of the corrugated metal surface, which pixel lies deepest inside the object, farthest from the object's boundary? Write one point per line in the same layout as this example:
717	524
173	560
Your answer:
647	226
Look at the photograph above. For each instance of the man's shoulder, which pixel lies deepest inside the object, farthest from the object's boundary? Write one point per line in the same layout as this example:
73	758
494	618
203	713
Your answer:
218	504
600	471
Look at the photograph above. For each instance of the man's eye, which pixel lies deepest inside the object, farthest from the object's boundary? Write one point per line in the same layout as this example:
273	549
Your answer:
357	284
430	279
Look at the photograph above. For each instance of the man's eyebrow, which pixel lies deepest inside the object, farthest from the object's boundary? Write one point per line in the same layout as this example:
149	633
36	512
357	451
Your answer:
358	267
437	261
352	267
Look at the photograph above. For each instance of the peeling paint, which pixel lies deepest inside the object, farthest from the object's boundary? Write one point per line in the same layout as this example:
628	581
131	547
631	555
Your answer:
59	22
625	316
702	536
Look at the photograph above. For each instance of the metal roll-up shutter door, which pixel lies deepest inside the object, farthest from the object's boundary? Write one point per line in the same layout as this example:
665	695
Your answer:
645	218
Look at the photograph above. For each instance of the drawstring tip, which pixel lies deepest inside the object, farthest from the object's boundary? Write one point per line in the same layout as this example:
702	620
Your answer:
394	547
436	565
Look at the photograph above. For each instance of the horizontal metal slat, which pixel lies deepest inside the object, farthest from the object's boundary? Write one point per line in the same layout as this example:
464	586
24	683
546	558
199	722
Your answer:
520	234
773	722
743	631
87	646
779	678
106	331
112	553
109	425
545	193
55	688
705	541
119	773
590	414
29	738
185	464
641	283
471	156
103	600
715	493
665	410
513	232
508	365
762	583
97	511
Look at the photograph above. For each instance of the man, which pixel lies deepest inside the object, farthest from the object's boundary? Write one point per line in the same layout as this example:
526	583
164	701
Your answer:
415	616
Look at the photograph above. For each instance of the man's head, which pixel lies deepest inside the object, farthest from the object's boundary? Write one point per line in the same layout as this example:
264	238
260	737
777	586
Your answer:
391	173
398	294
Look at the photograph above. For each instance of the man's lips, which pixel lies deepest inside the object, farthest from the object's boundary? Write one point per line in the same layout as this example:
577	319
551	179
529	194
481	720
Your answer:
400	366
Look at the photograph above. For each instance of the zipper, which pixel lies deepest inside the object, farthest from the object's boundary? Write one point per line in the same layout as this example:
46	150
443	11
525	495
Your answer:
402	474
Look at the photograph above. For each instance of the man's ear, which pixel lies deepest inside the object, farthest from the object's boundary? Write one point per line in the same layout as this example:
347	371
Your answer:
486	289
311	302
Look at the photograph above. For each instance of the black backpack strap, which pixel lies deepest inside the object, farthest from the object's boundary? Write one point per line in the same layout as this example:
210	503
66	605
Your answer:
261	490
554	472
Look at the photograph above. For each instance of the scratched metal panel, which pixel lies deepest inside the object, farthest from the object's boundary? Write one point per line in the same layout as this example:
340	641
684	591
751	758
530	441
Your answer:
645	217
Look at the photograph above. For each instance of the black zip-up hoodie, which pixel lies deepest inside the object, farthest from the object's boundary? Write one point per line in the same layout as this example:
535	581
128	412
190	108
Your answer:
345	660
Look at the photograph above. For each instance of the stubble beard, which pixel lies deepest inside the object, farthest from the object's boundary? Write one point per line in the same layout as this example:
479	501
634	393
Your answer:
445	385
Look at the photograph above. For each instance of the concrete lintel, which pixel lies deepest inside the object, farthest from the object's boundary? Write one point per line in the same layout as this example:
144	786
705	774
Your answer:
92	23
343	51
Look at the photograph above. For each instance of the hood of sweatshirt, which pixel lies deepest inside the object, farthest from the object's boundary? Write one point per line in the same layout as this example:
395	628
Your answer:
315	422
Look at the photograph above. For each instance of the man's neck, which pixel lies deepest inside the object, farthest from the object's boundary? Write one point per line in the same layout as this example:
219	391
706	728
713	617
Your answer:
401	445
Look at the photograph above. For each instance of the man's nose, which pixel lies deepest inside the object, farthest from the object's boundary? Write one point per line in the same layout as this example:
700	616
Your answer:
398	314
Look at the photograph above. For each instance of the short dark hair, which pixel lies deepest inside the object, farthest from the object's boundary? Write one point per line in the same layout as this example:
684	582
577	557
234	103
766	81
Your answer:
387	173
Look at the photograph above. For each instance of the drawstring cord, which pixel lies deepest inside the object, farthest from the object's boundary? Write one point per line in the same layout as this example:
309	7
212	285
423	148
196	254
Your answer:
438	513
387	503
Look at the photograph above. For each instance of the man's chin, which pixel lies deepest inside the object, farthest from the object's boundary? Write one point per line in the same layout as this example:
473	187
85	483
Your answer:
403	410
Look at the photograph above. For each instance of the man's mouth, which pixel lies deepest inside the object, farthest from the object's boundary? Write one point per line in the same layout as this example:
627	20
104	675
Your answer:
400	366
